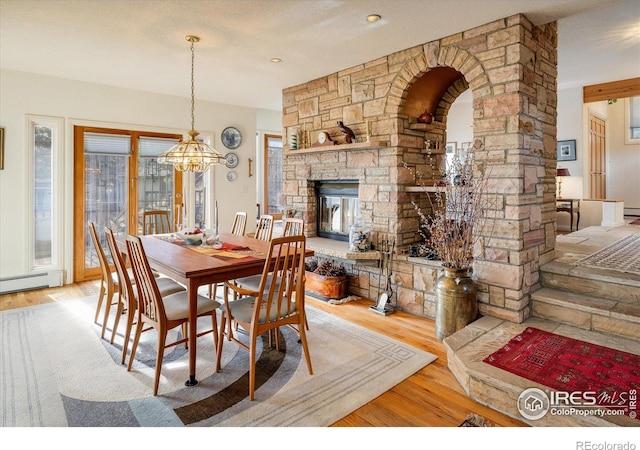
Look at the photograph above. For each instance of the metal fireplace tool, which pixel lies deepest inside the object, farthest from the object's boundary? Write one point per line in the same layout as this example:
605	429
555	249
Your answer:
386	247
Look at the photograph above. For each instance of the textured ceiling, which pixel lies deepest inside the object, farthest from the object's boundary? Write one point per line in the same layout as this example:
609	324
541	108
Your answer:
141	44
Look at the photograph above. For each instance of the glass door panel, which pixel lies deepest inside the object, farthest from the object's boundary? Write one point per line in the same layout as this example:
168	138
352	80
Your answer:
156	182
105	187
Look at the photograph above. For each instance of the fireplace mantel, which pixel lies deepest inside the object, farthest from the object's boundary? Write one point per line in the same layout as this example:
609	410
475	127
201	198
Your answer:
334	148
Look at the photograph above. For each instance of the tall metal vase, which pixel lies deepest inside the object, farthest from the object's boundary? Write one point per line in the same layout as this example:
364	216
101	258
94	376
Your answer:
456	301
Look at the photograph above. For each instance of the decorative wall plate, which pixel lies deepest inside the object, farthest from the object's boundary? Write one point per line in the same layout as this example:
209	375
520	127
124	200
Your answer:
231	138
231	176
232	160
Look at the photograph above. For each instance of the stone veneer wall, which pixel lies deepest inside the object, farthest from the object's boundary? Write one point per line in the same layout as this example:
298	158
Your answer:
510	66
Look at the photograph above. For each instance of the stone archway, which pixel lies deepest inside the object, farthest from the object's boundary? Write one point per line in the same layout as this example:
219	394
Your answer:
510	65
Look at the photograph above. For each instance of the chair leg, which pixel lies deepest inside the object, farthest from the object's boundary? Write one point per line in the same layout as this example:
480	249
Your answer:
223	321
100	298
116	322
107	310
127	335
252	365
213	288
162	340
226	295
303	340
214	325
185	334
134	347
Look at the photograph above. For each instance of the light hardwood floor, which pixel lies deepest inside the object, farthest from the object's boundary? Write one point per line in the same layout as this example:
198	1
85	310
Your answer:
430	398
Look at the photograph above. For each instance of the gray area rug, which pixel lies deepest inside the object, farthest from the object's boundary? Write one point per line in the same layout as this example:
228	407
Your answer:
623	256
57	372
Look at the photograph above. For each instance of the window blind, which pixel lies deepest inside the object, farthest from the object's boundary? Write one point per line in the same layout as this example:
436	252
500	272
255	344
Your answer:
112	144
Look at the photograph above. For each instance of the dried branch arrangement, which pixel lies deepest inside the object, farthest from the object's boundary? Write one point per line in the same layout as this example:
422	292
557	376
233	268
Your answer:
458	209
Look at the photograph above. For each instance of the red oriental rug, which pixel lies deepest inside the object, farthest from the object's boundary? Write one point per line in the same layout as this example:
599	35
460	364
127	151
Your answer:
570	365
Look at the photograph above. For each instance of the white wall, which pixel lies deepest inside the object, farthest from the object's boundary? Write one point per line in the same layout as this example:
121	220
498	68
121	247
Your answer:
623	160
80	103
460	120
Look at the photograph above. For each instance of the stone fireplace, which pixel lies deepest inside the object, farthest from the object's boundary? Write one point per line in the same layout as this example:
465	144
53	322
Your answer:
337	208
510	67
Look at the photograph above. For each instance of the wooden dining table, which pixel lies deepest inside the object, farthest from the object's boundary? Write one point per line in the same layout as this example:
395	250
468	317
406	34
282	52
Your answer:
195	266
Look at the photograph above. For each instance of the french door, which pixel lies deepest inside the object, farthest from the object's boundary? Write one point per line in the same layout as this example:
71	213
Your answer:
116	178
597	158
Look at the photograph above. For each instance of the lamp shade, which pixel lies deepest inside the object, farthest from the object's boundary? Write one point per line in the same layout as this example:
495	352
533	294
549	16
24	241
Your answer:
193	155
562	172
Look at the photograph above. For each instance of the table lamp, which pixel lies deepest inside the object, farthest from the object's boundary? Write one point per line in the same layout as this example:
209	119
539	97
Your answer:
561	172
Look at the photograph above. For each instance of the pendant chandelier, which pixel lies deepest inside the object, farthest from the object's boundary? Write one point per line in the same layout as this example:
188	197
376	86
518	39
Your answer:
193	155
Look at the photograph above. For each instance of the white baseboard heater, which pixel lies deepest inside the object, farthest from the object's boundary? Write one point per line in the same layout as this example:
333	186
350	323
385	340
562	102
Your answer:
41	280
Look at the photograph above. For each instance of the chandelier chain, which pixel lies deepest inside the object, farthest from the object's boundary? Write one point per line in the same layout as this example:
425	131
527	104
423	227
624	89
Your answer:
192	85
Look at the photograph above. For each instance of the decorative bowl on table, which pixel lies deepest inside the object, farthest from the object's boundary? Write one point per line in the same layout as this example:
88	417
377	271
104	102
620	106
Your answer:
191	236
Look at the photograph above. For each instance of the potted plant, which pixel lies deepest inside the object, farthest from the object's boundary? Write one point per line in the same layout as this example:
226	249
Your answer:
458	213
326	281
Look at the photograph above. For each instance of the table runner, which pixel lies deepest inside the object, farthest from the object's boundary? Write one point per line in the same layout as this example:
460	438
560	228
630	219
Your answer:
228	252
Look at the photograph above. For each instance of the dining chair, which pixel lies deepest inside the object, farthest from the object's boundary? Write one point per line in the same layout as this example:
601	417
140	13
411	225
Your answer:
238	228
279	302
156	222
293	227
109	284
127	303
162	313
239	223
264	229
264	232
248	286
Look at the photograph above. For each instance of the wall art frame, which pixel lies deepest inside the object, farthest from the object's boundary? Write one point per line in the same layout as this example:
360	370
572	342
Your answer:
567	150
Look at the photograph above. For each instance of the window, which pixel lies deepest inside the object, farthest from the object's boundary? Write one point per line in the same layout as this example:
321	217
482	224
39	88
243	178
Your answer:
632	119
273	175
45	145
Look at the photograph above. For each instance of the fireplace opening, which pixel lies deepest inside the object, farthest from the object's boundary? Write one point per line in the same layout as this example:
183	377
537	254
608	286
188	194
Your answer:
338	208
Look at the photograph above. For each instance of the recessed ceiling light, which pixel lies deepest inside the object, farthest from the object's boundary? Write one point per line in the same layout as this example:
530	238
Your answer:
373	18
276	60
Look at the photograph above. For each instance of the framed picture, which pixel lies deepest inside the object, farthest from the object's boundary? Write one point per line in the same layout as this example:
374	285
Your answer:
451	147
567	150
1	148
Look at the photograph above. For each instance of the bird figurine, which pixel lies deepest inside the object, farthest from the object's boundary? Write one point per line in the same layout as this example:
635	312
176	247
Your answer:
348	132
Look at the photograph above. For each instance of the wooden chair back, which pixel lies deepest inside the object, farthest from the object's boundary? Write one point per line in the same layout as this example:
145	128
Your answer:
126	288
264	229
149	300
293	227
107	286
127	297
281	287
105	270
239	223
156	222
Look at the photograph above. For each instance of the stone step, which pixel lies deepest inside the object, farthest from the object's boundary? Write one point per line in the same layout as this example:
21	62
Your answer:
583	311
602	283
500	389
